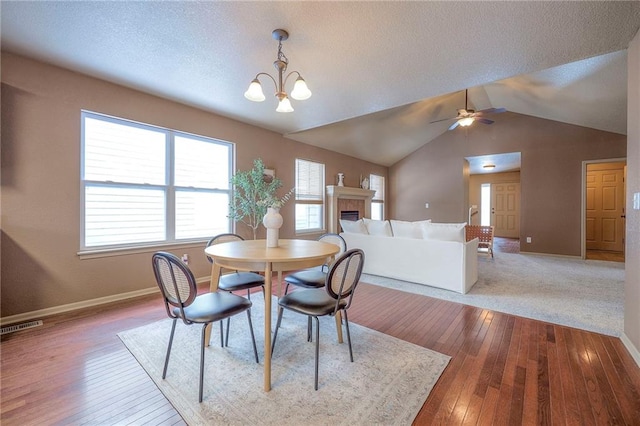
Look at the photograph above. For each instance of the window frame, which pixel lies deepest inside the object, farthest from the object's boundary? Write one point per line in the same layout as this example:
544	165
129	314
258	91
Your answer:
169	188
380	201
321	201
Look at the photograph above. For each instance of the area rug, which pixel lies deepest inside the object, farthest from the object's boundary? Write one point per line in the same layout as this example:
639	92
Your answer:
584	294
387	383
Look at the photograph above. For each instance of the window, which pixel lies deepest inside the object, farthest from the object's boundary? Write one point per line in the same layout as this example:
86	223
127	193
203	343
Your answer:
376	183
309	196
143	185
485	204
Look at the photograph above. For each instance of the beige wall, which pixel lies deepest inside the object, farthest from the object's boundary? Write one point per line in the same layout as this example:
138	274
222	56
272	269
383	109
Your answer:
475	184
551	176
632	265
40	198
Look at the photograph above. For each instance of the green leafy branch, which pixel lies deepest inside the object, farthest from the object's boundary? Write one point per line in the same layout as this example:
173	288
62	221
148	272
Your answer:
248	204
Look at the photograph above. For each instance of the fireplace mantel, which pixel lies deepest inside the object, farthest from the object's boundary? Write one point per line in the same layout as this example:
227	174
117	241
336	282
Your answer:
335	193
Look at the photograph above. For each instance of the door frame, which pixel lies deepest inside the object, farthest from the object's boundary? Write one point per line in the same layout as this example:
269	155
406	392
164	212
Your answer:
583	206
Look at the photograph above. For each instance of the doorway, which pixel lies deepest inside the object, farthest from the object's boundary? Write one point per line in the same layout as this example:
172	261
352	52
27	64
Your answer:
603	218
505	209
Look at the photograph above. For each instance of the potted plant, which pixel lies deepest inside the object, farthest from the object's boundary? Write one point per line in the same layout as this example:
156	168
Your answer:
252	195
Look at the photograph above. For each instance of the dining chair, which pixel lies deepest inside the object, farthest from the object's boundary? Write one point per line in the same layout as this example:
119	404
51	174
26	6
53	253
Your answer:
484	234
336	296
315	277
181	300
236	281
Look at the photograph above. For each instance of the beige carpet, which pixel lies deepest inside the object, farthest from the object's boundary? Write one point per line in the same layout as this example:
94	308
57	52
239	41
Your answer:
585	294
387	383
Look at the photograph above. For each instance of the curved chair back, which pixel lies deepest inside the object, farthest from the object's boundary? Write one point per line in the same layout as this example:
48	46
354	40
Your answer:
222	238
344	275
336	239
176	282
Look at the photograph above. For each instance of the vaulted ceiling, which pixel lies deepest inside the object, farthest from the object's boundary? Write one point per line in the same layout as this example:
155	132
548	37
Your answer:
380	72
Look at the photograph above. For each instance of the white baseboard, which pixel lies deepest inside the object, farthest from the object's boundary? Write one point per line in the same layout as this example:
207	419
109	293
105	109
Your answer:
28	316
635	354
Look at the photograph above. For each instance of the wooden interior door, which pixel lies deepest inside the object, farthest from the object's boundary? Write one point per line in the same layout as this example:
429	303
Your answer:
605	207
505	209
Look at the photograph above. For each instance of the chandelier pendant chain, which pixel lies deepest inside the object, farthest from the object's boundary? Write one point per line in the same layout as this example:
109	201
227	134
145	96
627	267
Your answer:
281	55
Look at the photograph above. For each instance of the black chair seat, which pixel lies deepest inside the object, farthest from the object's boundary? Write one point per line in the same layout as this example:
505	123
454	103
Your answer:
315	278
314	302
240	281
310	278
211	307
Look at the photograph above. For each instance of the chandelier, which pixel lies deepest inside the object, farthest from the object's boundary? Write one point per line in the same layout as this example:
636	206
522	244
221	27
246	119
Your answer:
300	90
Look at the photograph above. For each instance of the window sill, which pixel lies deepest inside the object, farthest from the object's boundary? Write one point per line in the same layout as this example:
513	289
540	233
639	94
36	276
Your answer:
125	251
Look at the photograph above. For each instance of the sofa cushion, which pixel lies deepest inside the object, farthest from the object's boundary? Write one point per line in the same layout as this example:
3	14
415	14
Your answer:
354	226
404	229
378	227
443	231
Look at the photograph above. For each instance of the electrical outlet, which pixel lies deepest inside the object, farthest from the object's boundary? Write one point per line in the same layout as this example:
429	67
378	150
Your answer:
185	259
528	239
426	205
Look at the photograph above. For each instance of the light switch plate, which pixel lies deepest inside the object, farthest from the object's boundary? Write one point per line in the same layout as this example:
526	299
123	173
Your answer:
636	201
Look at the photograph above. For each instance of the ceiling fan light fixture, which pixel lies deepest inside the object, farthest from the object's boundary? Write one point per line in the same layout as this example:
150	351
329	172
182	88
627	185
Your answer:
254	92
467	121
300	90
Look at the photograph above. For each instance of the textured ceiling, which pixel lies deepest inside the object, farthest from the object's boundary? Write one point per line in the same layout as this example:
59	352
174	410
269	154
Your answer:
379	71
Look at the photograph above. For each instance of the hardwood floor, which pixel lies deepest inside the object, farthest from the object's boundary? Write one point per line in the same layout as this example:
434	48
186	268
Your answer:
504	369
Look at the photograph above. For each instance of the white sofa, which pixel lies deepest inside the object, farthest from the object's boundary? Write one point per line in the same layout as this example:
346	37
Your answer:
421	252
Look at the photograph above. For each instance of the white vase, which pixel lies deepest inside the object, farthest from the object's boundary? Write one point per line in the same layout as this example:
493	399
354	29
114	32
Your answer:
272	221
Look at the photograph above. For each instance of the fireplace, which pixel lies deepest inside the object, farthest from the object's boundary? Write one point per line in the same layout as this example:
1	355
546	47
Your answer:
355	202
350	215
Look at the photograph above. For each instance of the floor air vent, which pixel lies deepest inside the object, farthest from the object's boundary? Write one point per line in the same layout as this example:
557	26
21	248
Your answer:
18	327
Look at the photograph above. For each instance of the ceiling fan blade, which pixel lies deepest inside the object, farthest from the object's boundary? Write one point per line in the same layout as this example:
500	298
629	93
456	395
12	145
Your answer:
454	125
444	119
484	120
492	110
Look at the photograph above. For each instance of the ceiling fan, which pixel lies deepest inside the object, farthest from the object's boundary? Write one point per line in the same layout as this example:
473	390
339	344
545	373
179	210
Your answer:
467	116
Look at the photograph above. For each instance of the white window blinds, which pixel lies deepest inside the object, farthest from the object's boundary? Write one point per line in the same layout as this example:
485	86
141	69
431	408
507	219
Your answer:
143	184
309	180
376	183
309	196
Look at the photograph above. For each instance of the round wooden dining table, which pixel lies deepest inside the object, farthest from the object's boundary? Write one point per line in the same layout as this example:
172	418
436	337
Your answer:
254	255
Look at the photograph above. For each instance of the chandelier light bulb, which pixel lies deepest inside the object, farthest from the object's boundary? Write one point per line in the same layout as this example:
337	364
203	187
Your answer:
284	105
300	90
254	92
